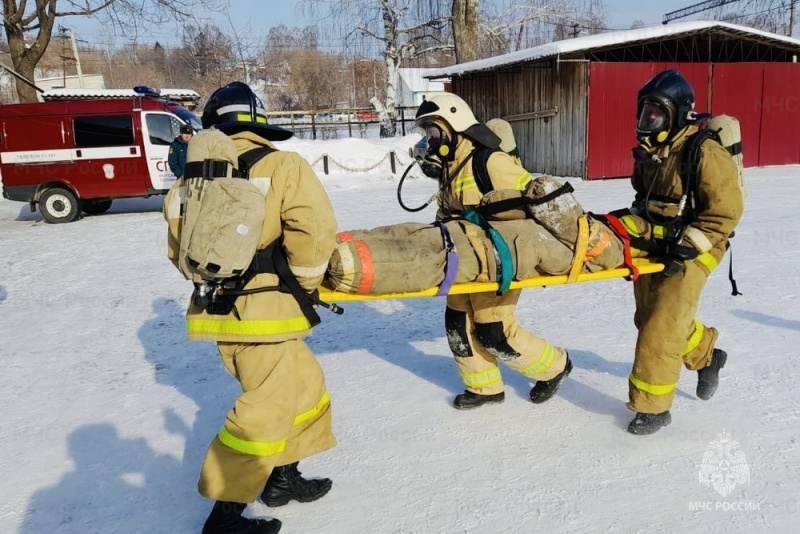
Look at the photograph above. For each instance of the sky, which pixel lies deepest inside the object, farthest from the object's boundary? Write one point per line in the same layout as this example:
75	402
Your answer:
255	17
107	408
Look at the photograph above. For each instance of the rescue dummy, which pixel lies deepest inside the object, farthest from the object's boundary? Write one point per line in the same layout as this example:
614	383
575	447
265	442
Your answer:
283	414
541	235
689	198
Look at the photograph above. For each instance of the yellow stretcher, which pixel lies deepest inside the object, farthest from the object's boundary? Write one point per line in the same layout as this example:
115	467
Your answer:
644	265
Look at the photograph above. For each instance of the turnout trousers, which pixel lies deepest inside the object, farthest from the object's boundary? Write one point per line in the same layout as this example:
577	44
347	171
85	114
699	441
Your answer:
282	416
482	328
669	336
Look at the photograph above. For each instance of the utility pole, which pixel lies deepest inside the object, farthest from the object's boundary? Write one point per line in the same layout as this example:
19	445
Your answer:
792	16
68	32
77	58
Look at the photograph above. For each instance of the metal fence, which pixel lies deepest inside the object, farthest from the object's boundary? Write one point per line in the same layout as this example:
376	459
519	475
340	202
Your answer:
339	123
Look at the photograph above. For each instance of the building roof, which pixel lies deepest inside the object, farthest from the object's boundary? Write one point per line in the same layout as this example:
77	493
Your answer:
177	95
618	39
417	82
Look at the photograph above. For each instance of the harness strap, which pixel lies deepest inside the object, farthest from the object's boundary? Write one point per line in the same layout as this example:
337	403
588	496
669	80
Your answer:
619	229
506	273
734	289
451	261
522	202
580	249
207	169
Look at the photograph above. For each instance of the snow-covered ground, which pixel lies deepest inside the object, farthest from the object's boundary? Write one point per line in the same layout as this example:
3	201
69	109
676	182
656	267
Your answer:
106	409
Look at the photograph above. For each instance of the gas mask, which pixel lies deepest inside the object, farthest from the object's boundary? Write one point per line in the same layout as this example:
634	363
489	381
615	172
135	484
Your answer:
434	150
652	130
430	167
654	123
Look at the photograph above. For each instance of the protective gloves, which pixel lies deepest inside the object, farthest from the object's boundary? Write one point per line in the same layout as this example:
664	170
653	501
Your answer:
675	257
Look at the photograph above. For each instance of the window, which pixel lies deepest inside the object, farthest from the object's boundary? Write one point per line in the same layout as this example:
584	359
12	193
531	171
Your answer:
163	129
109	130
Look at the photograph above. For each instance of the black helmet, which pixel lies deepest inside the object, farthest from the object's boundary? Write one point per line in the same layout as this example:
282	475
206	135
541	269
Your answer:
665	106
235	108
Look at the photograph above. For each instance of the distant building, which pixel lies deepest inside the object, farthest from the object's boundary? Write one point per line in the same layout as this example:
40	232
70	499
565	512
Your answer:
414	88
572	103
87	81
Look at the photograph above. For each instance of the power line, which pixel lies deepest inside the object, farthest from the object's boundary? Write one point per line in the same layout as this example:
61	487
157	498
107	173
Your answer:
694	9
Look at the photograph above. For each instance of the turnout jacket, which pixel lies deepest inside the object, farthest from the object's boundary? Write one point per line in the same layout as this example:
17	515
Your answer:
299	213
659	189
505	172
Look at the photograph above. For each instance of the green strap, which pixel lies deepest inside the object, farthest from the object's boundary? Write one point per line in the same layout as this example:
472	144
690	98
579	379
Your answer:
506	263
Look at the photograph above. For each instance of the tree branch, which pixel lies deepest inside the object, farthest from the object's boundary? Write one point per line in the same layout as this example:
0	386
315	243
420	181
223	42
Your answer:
88	10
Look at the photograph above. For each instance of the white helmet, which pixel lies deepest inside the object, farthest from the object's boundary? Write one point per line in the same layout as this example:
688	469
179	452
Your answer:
449	108
456	115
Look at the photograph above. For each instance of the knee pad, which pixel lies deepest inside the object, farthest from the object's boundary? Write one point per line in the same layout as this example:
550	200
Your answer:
493	338
455	324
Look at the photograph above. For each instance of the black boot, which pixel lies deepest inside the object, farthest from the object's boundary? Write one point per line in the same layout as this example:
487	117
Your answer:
469	399
649	423
708	378
285	484
544	389
226	518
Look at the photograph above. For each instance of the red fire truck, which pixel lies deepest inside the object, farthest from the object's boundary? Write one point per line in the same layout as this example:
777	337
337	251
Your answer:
70	156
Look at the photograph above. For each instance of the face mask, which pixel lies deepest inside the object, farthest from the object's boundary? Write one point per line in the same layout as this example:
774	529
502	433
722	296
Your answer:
433	150
654	125
430	167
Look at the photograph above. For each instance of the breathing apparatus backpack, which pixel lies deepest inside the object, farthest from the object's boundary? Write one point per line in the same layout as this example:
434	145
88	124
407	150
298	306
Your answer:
222	211
726	131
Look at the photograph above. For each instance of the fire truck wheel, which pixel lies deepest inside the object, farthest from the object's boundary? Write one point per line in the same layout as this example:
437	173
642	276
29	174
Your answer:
95	207
59	205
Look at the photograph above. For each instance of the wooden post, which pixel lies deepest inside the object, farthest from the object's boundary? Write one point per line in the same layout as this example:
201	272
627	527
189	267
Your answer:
325	163
392	162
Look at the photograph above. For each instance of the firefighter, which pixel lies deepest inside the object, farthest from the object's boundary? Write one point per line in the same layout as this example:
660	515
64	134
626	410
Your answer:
692	203
177	150
283	414
482	328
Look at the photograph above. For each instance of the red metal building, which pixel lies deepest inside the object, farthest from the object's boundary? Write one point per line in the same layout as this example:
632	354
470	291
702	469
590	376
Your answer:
572	104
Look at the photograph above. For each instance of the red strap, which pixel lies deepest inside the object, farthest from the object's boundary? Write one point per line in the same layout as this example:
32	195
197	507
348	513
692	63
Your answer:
618	228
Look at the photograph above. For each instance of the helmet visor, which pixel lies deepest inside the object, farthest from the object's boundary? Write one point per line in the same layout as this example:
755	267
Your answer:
653	118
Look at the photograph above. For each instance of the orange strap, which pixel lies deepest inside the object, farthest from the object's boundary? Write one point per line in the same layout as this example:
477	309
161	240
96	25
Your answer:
367	265
602	243
618	228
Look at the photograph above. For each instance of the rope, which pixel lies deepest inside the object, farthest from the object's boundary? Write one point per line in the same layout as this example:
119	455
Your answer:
342	166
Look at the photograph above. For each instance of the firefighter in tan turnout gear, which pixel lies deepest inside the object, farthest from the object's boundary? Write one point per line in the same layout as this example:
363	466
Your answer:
283	414
482	328
689	194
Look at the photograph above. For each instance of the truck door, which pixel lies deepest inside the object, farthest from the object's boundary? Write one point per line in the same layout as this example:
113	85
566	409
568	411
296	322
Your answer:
110	162
159	130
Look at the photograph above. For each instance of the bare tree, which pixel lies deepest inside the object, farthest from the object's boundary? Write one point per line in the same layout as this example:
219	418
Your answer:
509	25
466	14
21	17
401	29
778	16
